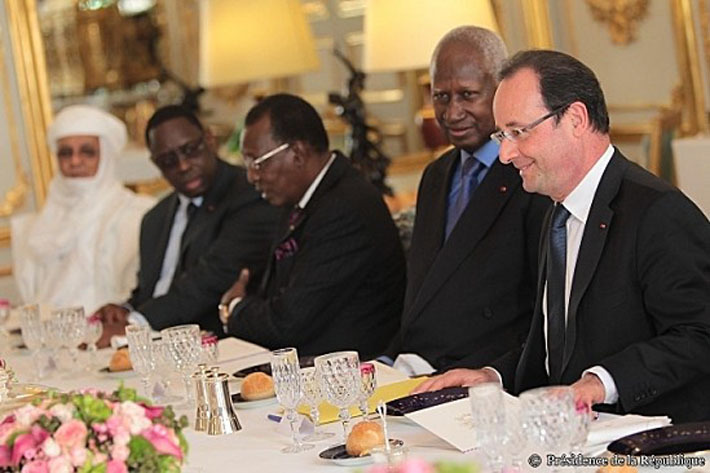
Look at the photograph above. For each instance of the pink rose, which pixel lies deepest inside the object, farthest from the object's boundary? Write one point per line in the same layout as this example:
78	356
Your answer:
25	447
164	440
5	456
60	465
38	466
115	466
71	434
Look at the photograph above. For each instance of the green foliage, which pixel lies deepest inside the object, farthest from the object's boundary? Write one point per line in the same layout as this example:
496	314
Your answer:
90	409
448	467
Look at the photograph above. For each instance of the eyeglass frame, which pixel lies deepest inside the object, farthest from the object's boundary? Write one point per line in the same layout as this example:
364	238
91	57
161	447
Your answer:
516	133
255	163
190	150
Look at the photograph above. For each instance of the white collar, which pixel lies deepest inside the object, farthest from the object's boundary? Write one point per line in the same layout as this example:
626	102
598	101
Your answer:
185	200
314	185
579	201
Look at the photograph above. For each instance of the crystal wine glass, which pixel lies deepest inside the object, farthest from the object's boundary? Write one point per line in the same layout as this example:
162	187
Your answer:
33	336
140	350
186	348
4	317
164	367
286	372
92	335
369	384
313	396
341	382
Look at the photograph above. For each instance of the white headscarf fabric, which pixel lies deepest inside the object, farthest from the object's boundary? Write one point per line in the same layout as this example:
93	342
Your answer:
75	204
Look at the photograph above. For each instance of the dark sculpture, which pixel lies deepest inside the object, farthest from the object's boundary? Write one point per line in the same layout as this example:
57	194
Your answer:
365	153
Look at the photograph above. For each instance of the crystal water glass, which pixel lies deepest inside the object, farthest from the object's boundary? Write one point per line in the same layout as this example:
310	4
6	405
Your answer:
369	384
341	382
313	397
488	417
185	347
53	336
92	334
547	413
286	371
33	337
140	349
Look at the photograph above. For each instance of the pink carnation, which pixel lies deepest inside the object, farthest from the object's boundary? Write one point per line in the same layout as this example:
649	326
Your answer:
37	466
5	456
78	454
164	440
60	464
153	412
120	452
71	434
116	466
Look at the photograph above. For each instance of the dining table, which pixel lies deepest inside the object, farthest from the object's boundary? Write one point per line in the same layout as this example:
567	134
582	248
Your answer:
256	447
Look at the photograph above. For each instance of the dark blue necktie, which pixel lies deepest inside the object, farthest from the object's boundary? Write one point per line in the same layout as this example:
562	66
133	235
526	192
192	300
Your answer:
471	170
556	269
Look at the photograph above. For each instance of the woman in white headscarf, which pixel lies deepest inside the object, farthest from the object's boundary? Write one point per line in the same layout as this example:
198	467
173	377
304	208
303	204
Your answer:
82	247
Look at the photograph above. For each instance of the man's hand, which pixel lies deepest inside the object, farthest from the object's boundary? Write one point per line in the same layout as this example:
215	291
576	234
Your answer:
238	289
458	377
113	314
588	390
114	319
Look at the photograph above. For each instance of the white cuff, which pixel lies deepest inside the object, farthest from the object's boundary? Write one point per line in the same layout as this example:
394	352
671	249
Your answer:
136	318
611	395
493	370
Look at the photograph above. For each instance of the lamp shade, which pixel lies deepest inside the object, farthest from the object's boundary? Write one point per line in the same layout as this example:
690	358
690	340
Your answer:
402	34
248	40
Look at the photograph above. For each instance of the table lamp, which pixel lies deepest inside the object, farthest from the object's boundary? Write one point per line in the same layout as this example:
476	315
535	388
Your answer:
243	41
400	35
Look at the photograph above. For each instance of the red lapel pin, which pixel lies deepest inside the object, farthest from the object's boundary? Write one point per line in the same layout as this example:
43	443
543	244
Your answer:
503	189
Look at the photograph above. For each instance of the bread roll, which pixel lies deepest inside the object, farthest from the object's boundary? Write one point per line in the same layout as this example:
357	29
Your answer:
257	386
120	361
363	437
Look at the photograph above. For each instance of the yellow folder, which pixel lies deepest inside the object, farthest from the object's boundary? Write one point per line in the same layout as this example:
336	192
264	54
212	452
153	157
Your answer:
329	413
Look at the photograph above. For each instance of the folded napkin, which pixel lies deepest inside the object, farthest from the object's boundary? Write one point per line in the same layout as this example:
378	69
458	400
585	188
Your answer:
610	427
329	413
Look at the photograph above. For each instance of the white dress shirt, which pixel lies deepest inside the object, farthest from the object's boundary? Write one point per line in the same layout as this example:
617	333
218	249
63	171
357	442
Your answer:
172	255
578	203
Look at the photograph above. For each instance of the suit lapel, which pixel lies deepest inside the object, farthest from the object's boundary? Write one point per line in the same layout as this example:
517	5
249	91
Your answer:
480	214
595	232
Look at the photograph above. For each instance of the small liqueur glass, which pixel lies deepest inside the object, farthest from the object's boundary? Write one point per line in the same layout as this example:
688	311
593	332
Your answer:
286	371
94	328
313	397
369	384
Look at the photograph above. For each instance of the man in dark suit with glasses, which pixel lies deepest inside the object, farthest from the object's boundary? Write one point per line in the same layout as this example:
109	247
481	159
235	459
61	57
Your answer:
197	239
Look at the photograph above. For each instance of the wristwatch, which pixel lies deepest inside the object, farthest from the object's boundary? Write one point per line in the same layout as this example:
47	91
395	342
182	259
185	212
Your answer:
226	308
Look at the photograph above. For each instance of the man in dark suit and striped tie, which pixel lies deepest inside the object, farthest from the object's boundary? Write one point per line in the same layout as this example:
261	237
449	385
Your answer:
336	277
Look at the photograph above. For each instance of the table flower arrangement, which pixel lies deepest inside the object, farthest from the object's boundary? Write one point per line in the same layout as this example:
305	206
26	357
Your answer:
92	432
416	465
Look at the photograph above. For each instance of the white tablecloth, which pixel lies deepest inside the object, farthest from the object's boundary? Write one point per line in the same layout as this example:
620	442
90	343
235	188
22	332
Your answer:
256	448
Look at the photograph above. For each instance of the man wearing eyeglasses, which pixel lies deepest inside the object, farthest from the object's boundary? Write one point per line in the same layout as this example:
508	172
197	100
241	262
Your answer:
336	276
623	299
196	240
472	261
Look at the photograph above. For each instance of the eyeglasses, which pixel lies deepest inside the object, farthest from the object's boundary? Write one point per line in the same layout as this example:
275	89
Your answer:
255	163
170	159
517	133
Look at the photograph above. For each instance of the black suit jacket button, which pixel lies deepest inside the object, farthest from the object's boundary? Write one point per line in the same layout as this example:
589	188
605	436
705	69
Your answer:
487	313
